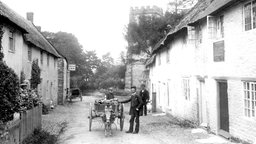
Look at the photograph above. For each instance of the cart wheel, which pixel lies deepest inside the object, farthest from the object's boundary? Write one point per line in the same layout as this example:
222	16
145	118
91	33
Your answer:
122	117
90	118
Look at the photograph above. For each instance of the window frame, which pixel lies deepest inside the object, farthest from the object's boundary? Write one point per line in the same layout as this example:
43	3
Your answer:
252	18
220	27
249	99
219	51
11	39
29	54
198	35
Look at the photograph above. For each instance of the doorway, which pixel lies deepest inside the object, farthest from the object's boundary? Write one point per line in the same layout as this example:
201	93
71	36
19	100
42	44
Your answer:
223	108
202	104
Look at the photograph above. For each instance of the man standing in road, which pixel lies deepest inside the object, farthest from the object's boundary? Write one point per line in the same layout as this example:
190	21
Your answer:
145	98
135	110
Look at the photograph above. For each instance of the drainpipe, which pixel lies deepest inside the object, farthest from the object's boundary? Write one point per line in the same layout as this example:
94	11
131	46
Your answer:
131	74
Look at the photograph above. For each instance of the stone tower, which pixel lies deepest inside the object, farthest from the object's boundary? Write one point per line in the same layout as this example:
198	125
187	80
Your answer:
135	73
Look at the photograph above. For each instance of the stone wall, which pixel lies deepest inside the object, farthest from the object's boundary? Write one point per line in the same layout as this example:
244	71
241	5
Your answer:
63	80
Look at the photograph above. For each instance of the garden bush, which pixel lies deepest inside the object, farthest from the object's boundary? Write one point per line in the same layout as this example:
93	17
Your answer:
40	136
45	109
117	92
35	74
28	99
121	92
9	93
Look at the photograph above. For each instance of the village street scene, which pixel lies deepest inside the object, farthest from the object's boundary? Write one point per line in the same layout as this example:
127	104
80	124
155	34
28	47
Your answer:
128	72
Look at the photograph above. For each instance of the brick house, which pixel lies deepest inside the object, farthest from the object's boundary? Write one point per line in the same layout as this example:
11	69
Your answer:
204	70
22	43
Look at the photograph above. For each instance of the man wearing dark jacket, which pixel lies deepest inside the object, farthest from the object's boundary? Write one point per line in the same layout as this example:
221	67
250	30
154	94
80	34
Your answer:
145	98
109	95
135	111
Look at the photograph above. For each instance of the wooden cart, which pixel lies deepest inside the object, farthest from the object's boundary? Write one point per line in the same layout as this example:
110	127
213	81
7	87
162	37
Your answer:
108	111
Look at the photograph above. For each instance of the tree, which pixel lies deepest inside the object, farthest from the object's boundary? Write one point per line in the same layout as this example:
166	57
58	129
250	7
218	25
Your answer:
67	44
109	75
35	74
107	60
149	30
181	5
9	89
123	58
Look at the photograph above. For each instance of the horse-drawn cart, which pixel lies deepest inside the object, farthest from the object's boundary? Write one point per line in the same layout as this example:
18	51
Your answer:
108	111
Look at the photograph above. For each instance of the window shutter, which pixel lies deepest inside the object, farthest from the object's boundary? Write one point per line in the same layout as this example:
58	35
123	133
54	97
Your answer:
219	51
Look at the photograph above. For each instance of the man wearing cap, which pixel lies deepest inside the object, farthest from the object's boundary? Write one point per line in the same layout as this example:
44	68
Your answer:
109	95
135	110
145	98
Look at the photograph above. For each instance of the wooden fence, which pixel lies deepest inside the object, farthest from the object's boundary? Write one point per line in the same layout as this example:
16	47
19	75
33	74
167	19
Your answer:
21	128
29	121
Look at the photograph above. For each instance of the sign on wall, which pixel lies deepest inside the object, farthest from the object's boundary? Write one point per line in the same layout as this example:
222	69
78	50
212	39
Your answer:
72	67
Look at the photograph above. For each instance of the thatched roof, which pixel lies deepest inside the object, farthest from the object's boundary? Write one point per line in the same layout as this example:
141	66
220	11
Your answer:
161	42
151	60
7	13
32	35
214	7
190	16
201	10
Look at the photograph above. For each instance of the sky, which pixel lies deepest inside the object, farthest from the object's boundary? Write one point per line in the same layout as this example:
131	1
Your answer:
98	24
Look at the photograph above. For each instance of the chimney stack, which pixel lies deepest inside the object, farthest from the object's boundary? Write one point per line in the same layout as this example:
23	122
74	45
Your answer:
30	16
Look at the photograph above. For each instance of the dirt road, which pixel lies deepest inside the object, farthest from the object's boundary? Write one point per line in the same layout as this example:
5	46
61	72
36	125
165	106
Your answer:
155	129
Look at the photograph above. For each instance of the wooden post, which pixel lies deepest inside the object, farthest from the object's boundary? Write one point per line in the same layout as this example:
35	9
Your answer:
153	101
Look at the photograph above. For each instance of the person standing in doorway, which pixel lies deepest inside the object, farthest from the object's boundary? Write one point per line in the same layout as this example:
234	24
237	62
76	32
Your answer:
145	98
135	110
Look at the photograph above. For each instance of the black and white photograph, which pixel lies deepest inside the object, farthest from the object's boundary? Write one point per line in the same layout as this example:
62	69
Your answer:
127	71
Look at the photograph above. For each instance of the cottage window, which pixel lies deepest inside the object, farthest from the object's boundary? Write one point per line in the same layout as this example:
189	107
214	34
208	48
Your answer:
199	35
186	88
11	41
220	27
191	33
212	23
48	59
250	15
41	58
29	54
249	98
219	51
